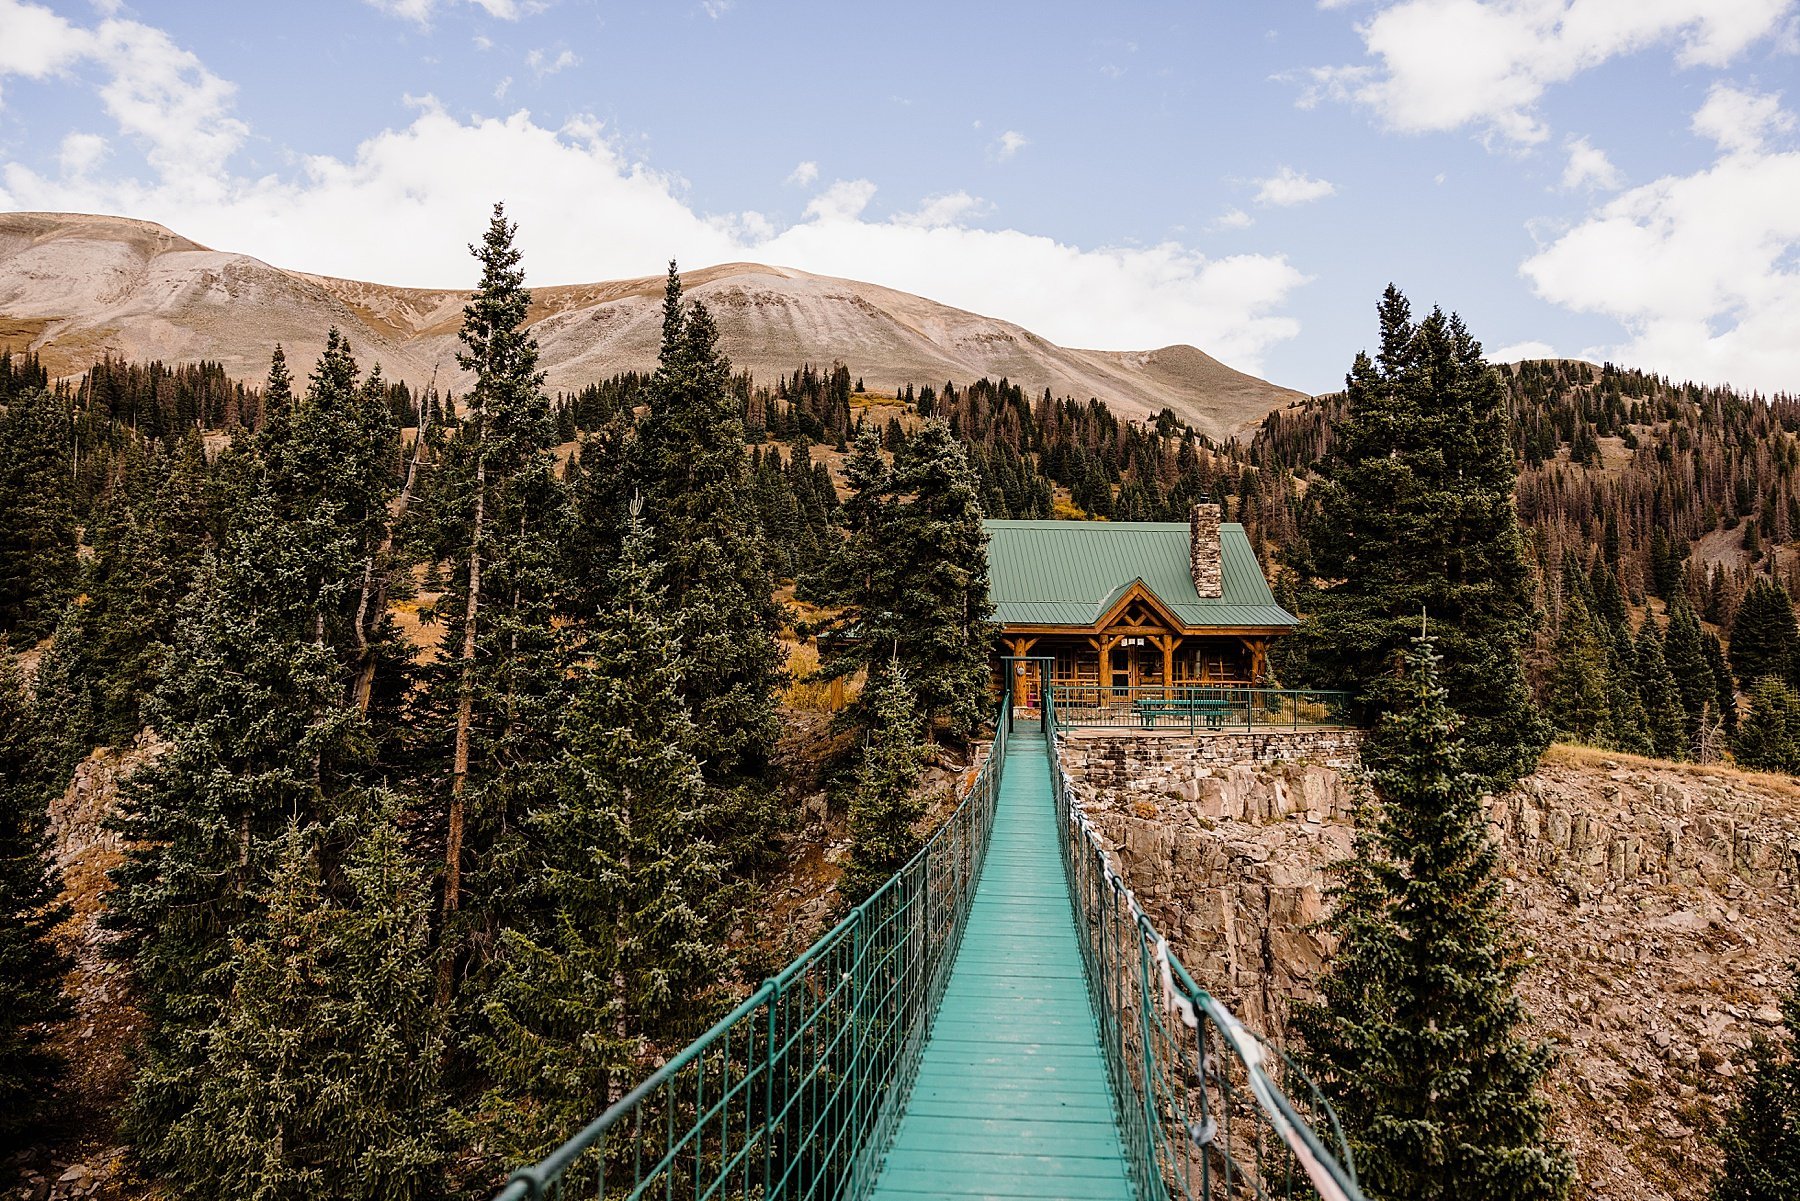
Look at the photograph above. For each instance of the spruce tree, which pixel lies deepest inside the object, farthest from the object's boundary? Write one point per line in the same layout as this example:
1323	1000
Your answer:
31	967
1576	695
626	951
911	576
1664	718
1416	514
691	466
1627	723
1761	1135
322	1069
885	804
494	510
37	534
1768	737
252	700
1418	1038
1764	637
1685	650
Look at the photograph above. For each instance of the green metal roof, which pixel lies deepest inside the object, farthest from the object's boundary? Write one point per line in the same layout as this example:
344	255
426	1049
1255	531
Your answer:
1068	573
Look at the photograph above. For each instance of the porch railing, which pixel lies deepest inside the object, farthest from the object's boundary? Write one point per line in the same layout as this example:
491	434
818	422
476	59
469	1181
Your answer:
1200	708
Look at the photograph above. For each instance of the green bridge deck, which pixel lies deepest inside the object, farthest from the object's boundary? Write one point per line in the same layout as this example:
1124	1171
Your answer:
1011	1098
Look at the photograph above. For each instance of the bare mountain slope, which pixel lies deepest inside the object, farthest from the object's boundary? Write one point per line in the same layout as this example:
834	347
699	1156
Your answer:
73	285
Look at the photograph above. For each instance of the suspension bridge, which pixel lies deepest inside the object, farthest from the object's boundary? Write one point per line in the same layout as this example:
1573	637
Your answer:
1000	1020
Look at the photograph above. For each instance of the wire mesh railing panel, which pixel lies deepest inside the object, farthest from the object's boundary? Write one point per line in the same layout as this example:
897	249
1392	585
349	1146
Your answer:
795	1094
1205	1107
1199	708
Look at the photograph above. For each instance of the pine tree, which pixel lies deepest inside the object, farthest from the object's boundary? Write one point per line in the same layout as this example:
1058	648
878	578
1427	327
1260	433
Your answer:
1764	636
1576	695
37	535
885	806
494	510
31	967
322	1069
628	951
1685	650
1417	1040
1416	514
1761	1136
252	699
1768	737
691	466
1665	720
1627	723
911	576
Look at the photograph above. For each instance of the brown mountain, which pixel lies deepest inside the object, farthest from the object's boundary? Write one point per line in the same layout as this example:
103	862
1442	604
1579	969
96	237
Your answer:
73	286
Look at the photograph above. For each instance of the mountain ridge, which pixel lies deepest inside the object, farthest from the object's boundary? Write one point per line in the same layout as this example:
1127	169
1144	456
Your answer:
74	286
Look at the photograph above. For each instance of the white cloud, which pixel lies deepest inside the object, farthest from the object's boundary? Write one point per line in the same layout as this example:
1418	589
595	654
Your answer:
717	8
542	64
1520	351
1234	219
80	153
1010	143
1739	121
1447	64
38	43
950	208
1588	167
804	174
1289	187
390	212
422	11
1702	270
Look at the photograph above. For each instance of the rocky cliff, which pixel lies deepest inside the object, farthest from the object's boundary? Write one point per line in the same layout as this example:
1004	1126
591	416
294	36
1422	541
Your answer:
1657	900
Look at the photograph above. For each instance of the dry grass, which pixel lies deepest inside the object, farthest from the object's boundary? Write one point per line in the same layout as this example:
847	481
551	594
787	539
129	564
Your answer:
1564	754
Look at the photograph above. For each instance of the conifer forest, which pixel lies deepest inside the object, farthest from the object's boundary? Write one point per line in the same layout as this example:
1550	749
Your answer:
474	728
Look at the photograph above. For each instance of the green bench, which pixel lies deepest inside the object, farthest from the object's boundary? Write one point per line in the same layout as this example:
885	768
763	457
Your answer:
1212	710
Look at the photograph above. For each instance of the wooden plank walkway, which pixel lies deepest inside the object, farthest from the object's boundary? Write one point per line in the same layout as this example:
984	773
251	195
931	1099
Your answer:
1011	1098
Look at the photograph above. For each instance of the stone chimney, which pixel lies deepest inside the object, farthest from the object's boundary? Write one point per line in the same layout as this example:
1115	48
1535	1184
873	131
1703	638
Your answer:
1203	550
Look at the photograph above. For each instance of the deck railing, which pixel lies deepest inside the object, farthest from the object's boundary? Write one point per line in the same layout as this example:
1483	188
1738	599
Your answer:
796	1092
1203	1103
1200	708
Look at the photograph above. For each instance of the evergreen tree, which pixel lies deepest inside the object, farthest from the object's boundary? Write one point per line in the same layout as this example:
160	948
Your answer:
1417	1040
628	951
31	967
1416	514
252	699
691	465
321	1071
911	576
1761	1136
1685	651
1577	695
1627	723
1768	737
885	806
37	536
1664	720
1764	636
494	510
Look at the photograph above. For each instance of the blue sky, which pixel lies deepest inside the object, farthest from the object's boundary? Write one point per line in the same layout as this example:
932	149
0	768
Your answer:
1609	178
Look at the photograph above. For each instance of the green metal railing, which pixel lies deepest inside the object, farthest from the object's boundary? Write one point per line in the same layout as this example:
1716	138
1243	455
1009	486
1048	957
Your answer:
1202	1108
796	1092
1200	708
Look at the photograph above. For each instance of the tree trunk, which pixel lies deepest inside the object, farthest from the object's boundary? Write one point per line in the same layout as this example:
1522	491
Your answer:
459	770
375	587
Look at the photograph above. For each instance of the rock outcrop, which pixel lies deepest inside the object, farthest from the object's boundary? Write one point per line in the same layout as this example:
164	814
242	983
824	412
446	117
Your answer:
1657	902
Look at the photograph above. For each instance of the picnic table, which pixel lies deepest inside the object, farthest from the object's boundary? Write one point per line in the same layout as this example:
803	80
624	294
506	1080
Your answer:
1211	709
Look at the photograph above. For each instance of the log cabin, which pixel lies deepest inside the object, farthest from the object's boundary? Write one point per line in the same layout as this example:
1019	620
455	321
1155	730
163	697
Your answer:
1131	608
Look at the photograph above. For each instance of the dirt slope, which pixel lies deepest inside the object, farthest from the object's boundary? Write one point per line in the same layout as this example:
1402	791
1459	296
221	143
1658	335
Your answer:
72	285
